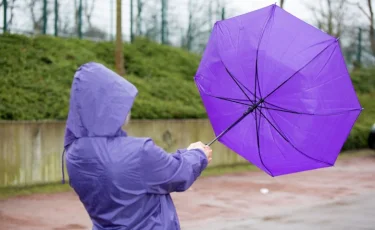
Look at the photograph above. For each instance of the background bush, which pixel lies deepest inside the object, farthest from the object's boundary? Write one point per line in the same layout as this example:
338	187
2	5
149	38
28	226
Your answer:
36	76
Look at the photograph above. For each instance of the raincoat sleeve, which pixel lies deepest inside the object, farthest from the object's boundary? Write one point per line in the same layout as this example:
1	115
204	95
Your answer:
164	173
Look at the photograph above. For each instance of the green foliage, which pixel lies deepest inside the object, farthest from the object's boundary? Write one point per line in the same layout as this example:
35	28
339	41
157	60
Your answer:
358	138
364	80
36	76
364	84
359	134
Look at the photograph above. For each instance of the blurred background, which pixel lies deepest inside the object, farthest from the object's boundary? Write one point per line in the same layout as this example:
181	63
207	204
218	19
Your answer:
157	45
182	23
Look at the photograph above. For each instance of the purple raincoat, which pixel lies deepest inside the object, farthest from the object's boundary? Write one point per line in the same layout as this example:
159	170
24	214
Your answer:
123	182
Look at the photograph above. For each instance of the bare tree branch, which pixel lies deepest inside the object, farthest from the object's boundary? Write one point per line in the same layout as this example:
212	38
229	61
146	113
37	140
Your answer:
64	25
330	16
37	20
12	7
363	11
370	8
369	14
88	11
196	21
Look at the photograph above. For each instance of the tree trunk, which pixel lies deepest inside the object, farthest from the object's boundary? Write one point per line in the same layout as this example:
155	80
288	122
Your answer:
371	29
282	3
330	18
119	57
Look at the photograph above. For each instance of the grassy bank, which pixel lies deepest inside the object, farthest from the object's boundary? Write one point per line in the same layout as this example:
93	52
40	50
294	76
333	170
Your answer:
36	76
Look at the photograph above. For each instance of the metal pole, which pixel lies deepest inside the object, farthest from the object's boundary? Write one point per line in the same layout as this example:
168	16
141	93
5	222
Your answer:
5	16
75	16
44	16
80	19
223	13
56	18
164	21
359	48
131	22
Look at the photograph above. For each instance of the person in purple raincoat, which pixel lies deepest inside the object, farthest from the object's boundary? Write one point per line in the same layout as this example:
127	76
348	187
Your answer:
123	182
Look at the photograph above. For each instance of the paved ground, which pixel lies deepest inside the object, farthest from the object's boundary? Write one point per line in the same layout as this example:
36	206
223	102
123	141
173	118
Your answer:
342	197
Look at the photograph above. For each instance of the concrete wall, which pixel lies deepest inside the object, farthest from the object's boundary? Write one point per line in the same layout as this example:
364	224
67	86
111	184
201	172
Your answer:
30	152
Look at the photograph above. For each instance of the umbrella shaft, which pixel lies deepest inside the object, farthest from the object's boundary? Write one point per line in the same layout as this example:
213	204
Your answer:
247	112
229	128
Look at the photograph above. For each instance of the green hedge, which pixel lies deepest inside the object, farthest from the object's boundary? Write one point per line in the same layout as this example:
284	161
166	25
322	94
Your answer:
364	80
36	75
359	134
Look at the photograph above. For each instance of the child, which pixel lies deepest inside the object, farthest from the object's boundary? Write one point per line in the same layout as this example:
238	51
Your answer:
123	182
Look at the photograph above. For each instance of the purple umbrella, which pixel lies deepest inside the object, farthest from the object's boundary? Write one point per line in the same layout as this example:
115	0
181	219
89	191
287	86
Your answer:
277	91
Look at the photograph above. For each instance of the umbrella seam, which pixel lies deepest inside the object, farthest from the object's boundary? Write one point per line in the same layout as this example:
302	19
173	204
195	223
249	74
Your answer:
273	137
257	126
334	41
325	64
235	80
306	155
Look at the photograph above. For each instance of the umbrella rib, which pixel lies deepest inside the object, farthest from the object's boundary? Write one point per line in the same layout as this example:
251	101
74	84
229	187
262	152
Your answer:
256	98
311	114
257	54
279	107
280	133
237	101
287	111
235	80
334	42
257	126
288	141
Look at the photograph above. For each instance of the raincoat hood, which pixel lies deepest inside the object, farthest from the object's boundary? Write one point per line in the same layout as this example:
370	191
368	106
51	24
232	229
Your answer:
100	100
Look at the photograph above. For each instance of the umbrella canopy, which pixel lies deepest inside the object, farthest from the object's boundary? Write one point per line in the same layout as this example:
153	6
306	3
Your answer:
277	91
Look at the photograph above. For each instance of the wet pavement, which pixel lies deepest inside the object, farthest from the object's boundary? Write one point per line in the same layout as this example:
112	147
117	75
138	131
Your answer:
345	214
341	197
